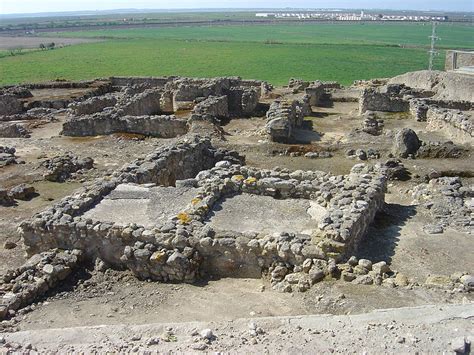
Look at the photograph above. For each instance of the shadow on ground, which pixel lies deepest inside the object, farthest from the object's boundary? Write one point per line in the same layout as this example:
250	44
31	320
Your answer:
384	233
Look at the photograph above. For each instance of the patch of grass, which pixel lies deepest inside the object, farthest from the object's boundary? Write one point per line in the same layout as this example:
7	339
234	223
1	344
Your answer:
16	52
396	34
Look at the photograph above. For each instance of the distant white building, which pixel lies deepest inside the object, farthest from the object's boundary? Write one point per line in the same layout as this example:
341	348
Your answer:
362	16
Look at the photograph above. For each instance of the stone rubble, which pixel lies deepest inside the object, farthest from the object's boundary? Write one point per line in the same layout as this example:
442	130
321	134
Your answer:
13	130
60	168
7	156
372	125
440	150
22	192
42	272
449	203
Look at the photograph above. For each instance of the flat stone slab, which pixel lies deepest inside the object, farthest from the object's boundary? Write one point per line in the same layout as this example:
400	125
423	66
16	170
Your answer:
145	206
264	214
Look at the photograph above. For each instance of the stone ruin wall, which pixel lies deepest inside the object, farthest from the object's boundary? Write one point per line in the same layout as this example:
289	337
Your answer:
450	116
215	106
62	227
10	105
93	104
186	248
15	104
375	99
128	109
159	82
284	116
155	126
452	122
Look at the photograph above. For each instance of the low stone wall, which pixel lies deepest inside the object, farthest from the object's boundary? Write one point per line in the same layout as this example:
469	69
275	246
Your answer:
315	92
42	272
93	105
145	103
187	90
152	81
217	106
49	104
374	99
242	101
10	105
33	114
283	116
455	124
243	95
349	94
185	247
13	130
104	124
59	225
444	85
97	88
419	109
419	106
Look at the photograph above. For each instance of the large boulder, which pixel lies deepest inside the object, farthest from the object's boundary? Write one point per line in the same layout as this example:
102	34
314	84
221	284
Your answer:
5	198
22	192
406	143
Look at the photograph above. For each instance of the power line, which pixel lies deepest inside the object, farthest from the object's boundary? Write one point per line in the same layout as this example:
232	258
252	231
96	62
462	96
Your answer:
433	52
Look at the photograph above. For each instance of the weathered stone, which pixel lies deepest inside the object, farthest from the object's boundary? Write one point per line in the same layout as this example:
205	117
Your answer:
366	264
380	268
401	280
406	143
22	192
364	280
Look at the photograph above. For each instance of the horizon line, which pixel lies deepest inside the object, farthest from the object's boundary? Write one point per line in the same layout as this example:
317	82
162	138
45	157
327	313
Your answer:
227	8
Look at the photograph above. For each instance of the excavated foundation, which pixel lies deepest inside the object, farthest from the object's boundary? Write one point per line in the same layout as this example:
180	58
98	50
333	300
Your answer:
190	210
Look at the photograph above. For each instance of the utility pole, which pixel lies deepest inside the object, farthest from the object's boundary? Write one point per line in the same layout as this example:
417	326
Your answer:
433	52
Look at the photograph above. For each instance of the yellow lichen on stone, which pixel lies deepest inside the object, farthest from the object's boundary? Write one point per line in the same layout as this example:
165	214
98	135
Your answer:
238	178
250	181
184	218
195	201
158	257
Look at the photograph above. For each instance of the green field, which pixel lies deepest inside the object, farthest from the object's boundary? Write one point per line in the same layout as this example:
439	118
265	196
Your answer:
342	52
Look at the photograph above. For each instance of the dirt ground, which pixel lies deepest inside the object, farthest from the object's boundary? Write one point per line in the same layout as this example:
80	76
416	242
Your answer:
30	42
425	329
96	298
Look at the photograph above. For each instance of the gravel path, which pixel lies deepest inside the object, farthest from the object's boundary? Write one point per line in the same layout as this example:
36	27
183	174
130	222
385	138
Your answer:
426	329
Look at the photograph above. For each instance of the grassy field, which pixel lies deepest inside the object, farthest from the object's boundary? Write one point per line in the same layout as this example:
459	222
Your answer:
342	52
409	34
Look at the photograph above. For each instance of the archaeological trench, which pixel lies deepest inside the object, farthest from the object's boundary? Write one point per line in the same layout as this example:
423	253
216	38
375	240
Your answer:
178	180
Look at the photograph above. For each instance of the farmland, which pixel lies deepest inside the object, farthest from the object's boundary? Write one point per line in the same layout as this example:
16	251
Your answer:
342	52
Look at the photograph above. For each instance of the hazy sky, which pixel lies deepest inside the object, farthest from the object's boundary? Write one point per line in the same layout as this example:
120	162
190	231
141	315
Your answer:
23	6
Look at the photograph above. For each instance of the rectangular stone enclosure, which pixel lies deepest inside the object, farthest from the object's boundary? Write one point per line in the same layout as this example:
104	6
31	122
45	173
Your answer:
191	209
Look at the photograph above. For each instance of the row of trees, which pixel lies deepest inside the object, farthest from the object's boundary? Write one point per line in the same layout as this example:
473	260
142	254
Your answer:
44	46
